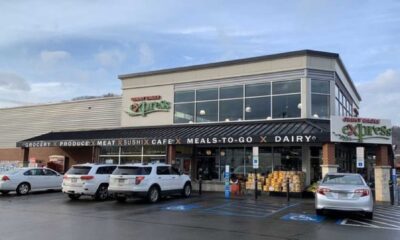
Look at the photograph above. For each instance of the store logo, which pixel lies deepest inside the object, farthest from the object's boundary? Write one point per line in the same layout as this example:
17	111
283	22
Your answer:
357	130
142	106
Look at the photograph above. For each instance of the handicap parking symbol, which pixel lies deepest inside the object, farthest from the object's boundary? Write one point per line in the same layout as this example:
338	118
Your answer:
303	217
186	207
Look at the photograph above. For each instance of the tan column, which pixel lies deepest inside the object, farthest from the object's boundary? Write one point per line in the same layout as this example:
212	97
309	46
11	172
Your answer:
328	159
171	154
382	174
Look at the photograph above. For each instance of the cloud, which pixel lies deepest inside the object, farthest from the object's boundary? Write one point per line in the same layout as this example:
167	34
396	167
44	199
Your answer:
146	55
381	96
110	58
11	81
53	57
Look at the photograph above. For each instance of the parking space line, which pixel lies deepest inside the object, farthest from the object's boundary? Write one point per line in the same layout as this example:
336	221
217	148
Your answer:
385	223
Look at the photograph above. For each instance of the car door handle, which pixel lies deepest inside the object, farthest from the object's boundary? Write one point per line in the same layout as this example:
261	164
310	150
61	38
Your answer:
159	177
173	177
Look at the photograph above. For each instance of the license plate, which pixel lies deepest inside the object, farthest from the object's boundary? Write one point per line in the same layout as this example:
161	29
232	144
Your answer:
74	180
121	180
342	195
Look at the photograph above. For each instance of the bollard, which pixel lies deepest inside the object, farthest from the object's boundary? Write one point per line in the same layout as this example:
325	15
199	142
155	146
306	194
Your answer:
391	190
200	182
287	190
256	182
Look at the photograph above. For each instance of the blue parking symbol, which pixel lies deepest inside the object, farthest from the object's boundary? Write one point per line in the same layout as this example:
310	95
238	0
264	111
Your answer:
303	217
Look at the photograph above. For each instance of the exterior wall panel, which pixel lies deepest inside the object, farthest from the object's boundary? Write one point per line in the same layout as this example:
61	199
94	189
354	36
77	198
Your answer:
20	123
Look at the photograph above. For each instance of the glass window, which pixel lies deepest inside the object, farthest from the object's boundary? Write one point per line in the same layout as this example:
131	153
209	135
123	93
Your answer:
207	94
111	150
207	111
286	87
154	150
320	86
231	110
258	89
184	96
265	160
126	160
78	170
231	92
286	106
258	108
320	105
336	91
184	113
150	159
163	170
49	172
131	150
125	170
287	158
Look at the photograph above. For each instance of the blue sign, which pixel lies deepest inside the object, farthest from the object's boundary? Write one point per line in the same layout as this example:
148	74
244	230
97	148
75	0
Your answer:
227	183
303	217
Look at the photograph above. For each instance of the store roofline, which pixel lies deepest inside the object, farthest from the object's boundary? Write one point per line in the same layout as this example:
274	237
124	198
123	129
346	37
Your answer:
247	60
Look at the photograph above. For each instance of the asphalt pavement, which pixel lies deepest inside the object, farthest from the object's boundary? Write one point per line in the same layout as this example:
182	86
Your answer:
48	216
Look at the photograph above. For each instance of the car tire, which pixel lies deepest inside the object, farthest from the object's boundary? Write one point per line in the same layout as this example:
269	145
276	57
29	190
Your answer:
319	212
187	190
120	199
23	188
5	192
153	194
369	215
74	196
102	193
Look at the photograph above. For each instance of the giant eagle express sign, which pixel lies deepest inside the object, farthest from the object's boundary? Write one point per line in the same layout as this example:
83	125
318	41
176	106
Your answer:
141	106
361	130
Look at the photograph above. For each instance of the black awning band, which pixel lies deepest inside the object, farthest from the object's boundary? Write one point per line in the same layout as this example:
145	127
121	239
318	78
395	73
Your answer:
292	131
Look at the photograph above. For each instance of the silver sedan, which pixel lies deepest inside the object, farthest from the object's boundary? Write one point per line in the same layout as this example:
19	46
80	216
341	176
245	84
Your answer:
344	192
24	180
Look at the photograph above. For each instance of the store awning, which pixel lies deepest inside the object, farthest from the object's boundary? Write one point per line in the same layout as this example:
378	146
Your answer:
284	131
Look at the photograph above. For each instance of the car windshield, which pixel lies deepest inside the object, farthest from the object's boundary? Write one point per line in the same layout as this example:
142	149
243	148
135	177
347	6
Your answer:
343	180
132	171
79	170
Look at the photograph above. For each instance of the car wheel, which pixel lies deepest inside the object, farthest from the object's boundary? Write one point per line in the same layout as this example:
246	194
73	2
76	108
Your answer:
101	193
153	195
120	199
187	190
23	189
319	212
369	215
74	196
5	192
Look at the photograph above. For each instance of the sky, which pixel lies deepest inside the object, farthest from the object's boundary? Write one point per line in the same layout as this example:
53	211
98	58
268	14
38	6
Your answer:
52	51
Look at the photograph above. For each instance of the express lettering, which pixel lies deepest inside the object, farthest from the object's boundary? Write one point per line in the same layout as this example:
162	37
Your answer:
361	131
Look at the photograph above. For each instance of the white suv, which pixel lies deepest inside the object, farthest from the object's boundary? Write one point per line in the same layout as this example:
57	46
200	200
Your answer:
88	179
148	180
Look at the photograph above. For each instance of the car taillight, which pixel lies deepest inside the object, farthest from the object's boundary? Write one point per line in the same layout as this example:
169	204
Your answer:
5	178
362	192
139	179
65	177
88	177
323	191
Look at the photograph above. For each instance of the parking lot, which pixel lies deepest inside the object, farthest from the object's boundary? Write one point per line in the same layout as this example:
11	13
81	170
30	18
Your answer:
54	216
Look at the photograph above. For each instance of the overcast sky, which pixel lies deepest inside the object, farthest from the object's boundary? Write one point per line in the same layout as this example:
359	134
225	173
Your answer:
56	50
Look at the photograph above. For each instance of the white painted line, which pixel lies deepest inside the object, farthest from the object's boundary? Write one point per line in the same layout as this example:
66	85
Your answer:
364	223
344	221
385	215
387	220
356	225
385	223
388	212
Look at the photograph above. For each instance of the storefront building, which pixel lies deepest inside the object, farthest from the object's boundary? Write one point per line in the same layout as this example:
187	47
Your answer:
300	109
